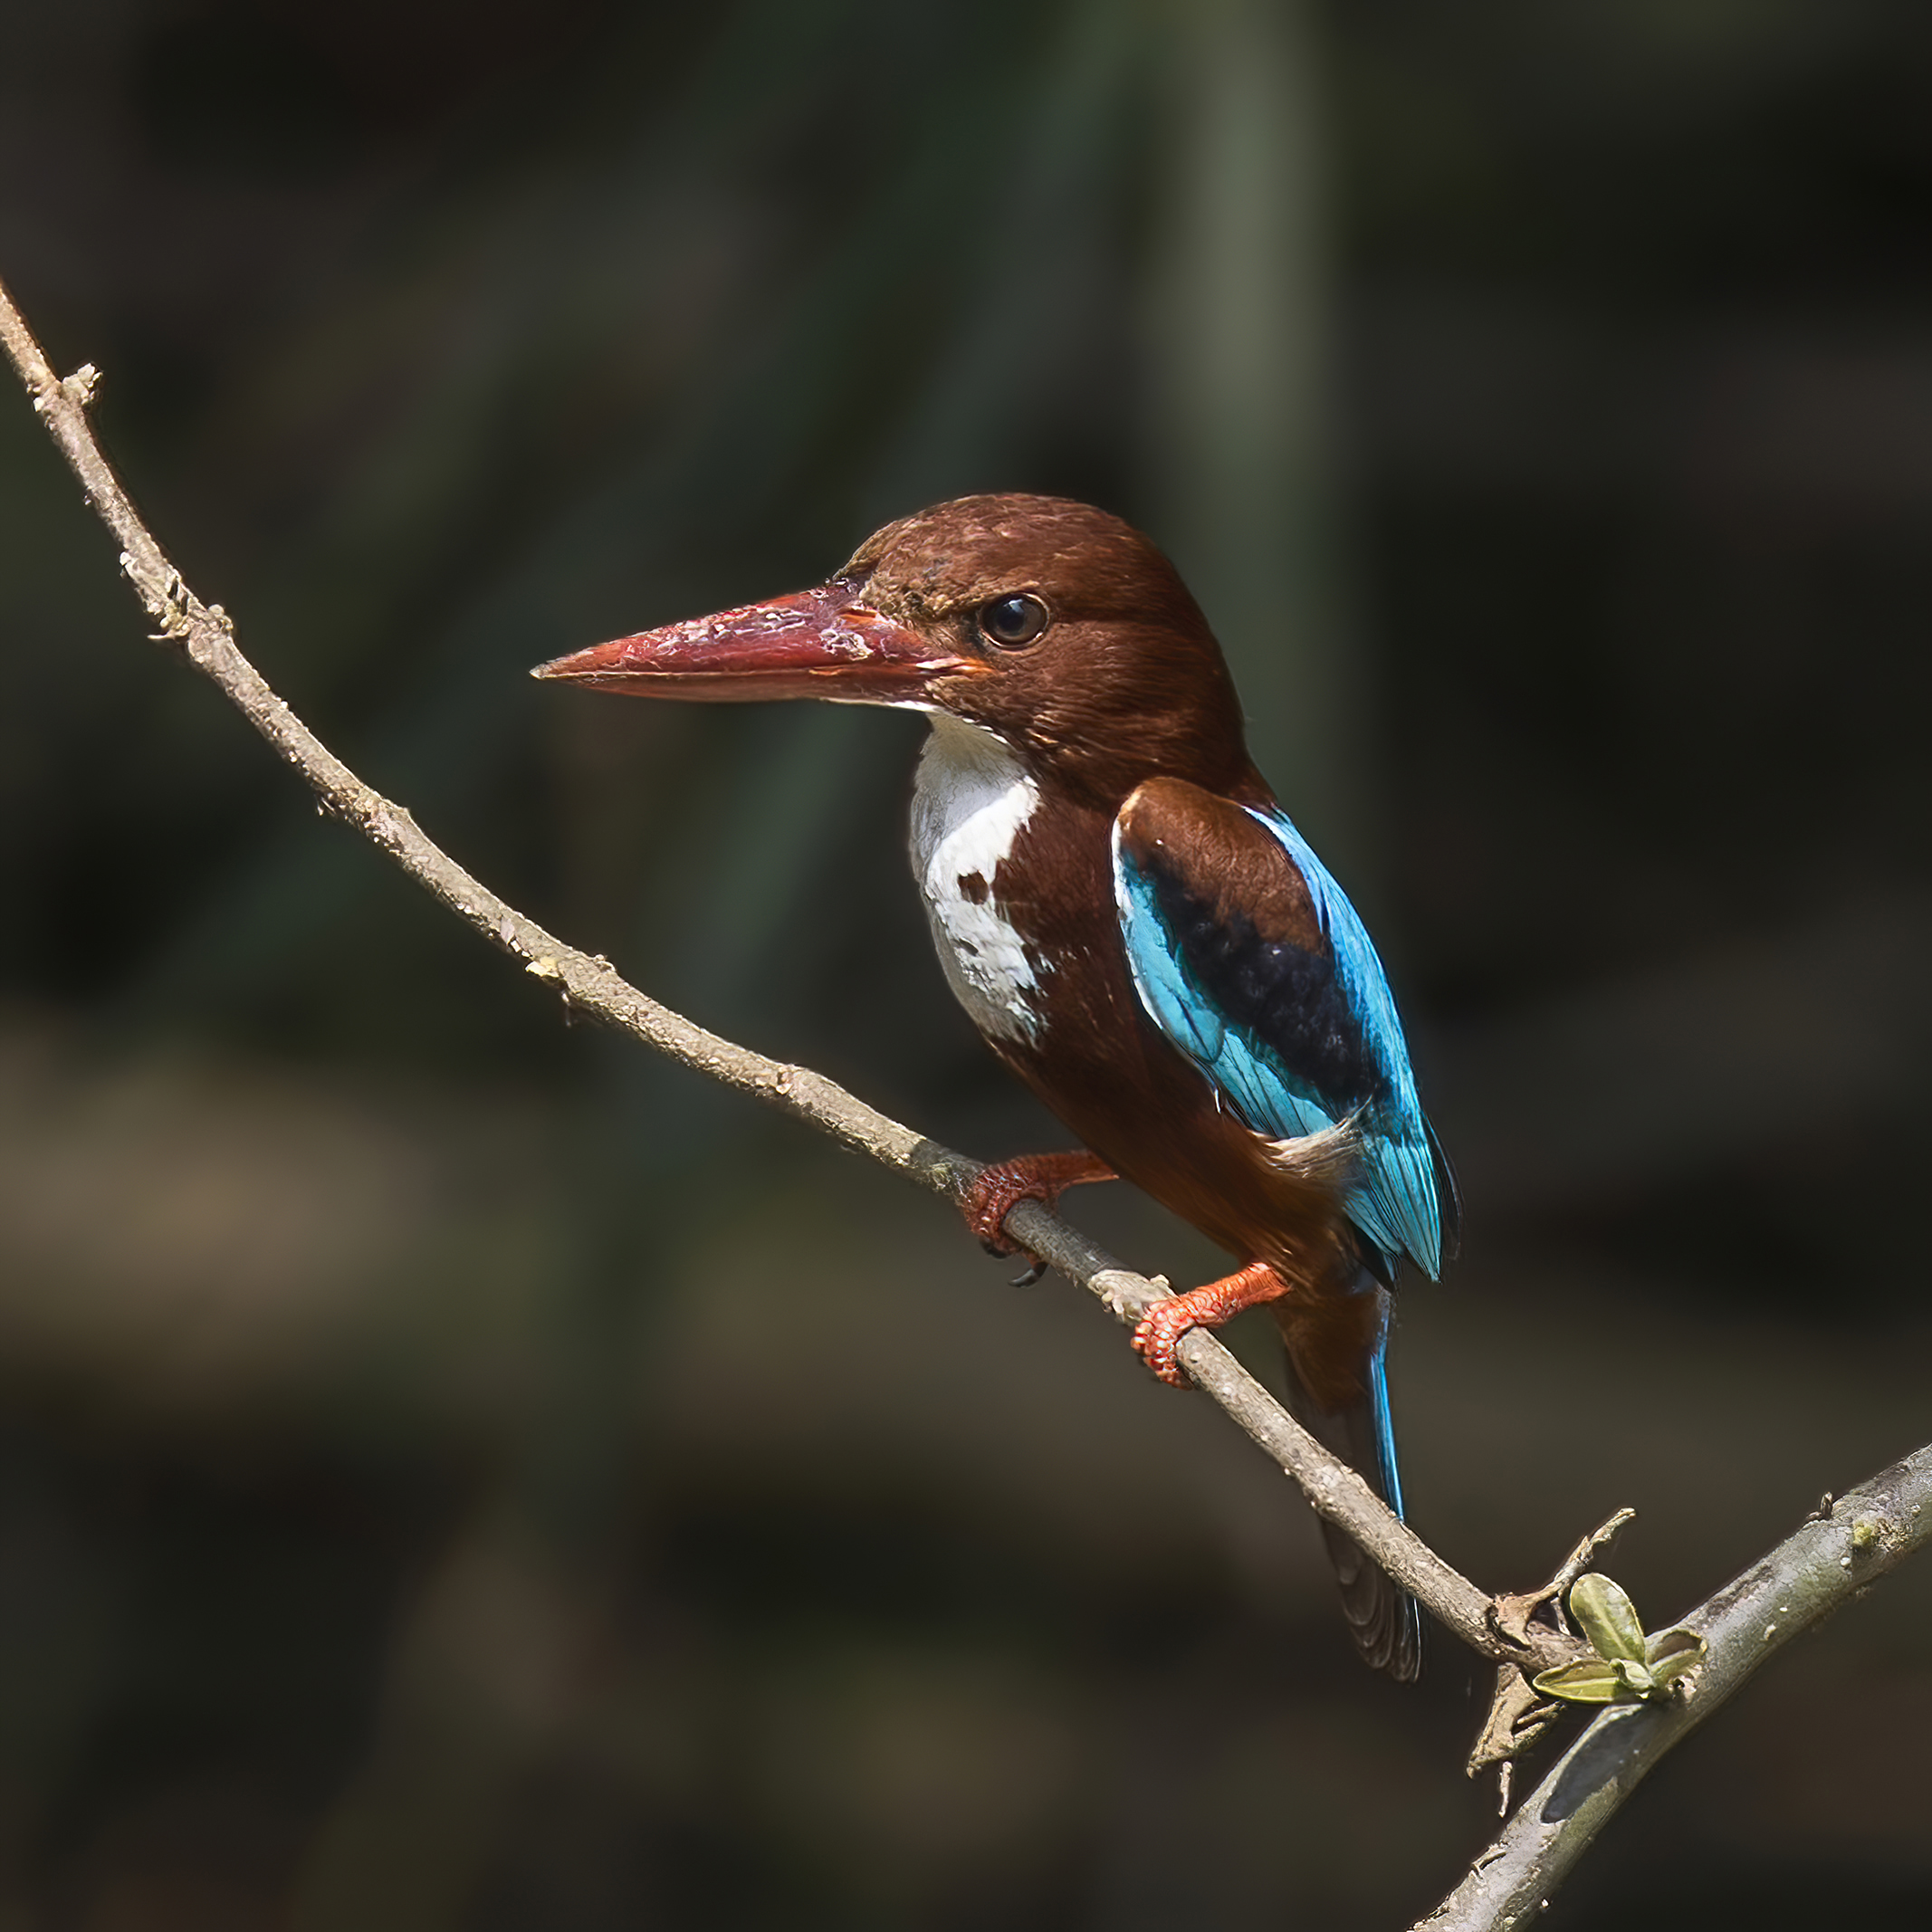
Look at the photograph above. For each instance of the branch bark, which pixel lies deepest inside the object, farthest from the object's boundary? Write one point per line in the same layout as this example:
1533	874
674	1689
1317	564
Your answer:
1834	1556
1865	1535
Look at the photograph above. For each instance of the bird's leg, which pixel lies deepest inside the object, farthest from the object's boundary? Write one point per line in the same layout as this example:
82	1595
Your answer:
1167	1321
1041	1177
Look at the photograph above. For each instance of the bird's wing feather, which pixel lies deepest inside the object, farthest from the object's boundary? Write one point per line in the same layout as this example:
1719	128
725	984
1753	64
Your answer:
1249	958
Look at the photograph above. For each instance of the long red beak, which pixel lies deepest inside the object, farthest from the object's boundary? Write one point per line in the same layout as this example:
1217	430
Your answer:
814	643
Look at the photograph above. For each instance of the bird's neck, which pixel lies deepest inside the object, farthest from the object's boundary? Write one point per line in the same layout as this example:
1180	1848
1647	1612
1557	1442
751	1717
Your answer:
972	801
971	796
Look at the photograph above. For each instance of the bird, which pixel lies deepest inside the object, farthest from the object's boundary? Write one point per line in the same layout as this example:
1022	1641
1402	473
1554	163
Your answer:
1136	928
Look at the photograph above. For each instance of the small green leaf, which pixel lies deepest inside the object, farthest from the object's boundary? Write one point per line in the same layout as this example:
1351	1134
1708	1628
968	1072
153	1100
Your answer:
1636	1677
1670	1653
1608	1617
1593	1680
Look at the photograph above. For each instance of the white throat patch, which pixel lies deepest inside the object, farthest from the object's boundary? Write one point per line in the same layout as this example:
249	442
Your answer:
970	801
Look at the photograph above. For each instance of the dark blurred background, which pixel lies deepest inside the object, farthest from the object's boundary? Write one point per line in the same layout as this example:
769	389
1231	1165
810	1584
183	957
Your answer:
456	1472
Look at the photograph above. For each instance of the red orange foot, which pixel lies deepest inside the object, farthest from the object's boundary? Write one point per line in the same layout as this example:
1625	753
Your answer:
1160	1329
1042	1177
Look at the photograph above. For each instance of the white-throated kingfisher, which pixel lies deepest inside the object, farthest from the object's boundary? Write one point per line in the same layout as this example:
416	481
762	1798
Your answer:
1134	926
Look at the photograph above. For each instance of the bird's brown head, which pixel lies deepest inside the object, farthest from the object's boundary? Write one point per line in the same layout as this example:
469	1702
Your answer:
1055	626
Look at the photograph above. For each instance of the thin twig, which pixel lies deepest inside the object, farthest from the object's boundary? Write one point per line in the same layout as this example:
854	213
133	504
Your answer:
1829	1559
1519	1713
590	987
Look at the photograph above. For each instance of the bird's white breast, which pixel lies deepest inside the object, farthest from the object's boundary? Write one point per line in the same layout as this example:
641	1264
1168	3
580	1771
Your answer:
970	801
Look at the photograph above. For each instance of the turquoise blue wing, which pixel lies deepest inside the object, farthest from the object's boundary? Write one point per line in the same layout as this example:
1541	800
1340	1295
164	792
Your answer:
1250	959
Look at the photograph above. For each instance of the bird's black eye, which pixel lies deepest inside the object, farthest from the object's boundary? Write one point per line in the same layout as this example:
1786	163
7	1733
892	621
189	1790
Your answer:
1012	622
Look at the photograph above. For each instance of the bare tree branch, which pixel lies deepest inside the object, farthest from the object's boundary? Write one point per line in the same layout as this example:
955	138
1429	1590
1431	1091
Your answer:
590	987
1832	1558
1799	1582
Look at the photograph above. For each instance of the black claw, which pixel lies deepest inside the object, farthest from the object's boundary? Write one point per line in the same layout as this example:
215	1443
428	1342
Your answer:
1032	1275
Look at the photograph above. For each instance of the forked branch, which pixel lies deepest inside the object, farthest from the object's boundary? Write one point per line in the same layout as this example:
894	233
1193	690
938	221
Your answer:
1805	1576
1833	1556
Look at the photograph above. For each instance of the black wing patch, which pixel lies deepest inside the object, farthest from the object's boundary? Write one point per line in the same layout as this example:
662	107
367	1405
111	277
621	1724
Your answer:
1243	923
1287	996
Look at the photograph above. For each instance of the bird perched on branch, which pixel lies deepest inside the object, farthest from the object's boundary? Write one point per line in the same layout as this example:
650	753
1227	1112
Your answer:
1134	926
